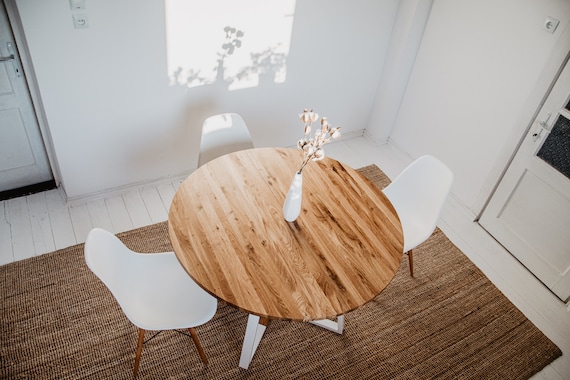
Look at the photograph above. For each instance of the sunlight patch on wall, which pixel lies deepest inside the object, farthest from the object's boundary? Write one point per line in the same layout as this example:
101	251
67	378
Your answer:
237	44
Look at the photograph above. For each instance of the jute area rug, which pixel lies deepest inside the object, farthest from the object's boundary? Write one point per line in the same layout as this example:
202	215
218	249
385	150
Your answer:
60	322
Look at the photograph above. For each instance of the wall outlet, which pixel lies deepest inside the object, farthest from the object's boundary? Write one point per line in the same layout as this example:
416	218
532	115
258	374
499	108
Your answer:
550	24
80	21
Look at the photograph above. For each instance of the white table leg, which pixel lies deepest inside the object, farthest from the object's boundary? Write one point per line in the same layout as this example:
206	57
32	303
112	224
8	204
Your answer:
253	334
255	330
336	327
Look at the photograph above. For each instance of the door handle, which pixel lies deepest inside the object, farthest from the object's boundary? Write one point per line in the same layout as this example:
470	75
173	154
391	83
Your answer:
542	125
12	58
536	135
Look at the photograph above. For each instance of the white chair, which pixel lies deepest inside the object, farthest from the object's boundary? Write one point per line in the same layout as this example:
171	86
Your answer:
222	134
153	290
418	194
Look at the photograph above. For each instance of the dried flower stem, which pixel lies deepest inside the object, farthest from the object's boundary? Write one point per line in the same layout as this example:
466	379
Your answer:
312	145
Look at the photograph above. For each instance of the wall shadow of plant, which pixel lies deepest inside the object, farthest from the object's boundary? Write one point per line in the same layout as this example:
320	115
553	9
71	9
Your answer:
231	43
267	66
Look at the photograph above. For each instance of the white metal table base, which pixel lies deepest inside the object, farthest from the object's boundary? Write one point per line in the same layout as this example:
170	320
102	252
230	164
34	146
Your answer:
255	330
333	326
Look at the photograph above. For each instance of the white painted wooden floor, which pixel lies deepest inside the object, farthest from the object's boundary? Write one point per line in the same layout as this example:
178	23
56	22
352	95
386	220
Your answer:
44	222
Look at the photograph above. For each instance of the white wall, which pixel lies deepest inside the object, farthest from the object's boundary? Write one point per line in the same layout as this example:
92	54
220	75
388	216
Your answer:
405	40
477	80
116	119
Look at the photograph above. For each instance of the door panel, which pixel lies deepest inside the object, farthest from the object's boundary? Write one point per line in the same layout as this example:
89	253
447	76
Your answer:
14	144
526	221
5	85
23	158
529	214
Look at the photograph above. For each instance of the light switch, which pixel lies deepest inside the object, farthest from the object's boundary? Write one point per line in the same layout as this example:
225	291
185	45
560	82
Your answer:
80	21
77	4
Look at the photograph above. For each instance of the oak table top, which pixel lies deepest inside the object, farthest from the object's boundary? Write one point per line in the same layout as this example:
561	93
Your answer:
227	229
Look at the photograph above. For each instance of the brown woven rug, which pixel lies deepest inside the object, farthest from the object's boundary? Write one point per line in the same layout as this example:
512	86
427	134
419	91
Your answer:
60	322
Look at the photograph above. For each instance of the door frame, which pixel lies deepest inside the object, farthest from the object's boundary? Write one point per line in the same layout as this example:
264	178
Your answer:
31	81
550	74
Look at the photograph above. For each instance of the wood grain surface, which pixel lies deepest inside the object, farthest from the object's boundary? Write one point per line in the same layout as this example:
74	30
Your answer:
227	228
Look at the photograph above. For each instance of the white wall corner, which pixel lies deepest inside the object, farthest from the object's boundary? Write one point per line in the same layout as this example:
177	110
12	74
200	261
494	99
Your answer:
405	40
377	140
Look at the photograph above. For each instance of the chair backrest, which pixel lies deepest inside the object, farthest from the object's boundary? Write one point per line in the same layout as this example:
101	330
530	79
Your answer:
153	289
130	276
222	134
418	194
115	264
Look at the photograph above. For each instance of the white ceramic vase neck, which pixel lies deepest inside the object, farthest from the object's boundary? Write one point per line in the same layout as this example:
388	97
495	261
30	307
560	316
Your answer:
292	205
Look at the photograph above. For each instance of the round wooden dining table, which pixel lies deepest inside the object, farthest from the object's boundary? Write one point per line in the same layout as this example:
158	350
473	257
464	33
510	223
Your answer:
227	229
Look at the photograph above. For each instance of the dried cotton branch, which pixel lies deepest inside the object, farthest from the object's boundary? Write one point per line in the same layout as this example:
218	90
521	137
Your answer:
312	145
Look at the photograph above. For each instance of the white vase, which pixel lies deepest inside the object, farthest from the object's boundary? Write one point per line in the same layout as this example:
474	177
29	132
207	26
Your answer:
292	205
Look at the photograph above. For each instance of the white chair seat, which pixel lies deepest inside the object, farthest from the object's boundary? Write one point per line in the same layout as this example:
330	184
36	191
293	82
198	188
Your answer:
160	303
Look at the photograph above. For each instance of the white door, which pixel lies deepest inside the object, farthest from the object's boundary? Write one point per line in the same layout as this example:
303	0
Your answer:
23	158
529	214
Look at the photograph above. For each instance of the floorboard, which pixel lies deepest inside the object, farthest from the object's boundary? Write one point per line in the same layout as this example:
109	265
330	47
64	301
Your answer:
100	215
136	209
21	228
119	214
41	226
6	253
81	221
60	220
154	204
166	192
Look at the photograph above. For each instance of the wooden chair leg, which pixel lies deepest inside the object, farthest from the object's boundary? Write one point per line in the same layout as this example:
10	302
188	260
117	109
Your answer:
264	321
411	261
198	345
139	351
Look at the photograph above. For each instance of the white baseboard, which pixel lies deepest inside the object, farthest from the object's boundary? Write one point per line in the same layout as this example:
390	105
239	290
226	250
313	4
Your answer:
70	201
